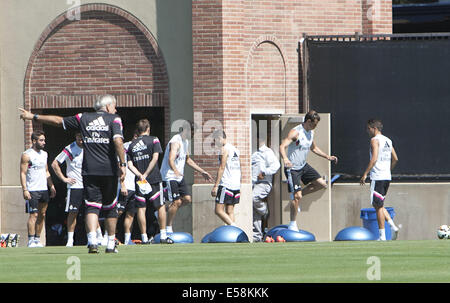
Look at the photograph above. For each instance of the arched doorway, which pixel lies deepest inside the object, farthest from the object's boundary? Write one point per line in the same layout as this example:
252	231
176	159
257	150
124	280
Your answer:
107	50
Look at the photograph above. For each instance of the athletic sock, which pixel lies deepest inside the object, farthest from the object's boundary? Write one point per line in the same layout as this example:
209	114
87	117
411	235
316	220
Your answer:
30	238
99	233
169	229
382	234
392	224
127	238
37	238
293	226
70	236
144	238
92	238
163	233
111	242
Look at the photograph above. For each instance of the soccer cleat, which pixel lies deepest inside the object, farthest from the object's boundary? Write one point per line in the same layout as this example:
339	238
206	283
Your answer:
395	233
112	250
8	240
38	243
15	240
93	249
166	241
100	241
149	241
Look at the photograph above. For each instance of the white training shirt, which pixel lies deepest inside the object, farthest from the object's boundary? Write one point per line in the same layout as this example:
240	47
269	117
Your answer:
265	161
382	168
72	154
231	177
298	150
130	182
167	173
37	172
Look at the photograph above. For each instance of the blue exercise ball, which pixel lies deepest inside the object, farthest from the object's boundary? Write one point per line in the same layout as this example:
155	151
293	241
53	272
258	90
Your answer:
355	233
205	239
228	234
177	237
271	232
295	236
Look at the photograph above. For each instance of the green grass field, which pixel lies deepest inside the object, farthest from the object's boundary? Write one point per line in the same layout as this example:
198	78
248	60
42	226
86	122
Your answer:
322	262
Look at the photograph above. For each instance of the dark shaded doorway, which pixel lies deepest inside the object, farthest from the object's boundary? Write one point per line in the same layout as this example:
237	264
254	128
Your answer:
57	139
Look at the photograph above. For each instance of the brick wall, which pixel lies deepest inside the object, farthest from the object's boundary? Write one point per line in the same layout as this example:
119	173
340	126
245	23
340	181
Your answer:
207	46
106	51
253	45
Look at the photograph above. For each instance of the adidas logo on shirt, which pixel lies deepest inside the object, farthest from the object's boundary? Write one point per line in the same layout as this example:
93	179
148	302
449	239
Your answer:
98	125
139	146
235	157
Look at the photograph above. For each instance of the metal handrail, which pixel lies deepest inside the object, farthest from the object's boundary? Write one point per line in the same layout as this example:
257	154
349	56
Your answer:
377	37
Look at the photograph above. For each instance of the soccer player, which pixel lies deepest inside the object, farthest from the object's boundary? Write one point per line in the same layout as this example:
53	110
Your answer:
383	159
176	156
142	155
72	154
103	143
227	189
126	203
35	180
264	165
299	141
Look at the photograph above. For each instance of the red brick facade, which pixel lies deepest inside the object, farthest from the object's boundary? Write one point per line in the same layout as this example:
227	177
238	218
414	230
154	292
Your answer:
107	51
245	56
245	59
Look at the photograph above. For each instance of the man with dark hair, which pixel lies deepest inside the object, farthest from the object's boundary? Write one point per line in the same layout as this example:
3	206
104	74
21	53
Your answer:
72	155
299	141
227	189
176	156
383	159
103	143
35	180
143	154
